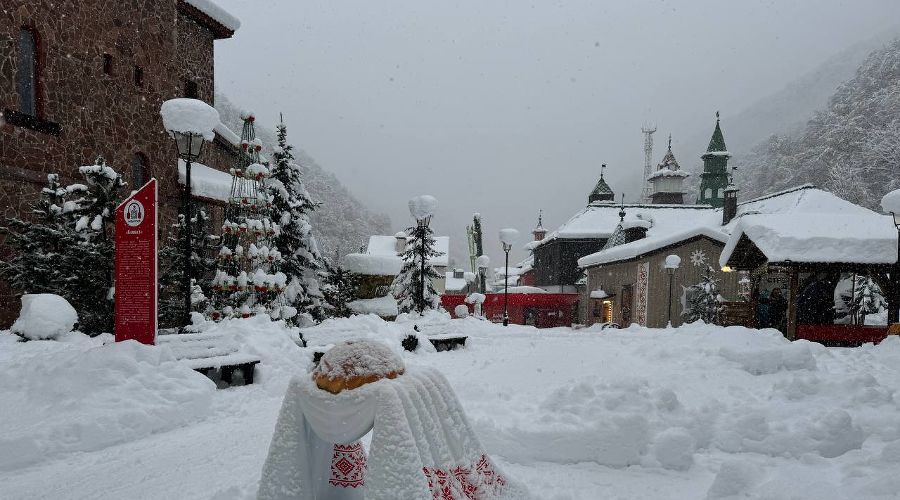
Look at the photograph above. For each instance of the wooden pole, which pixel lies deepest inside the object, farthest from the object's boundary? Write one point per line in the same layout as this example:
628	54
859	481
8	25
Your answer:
794	286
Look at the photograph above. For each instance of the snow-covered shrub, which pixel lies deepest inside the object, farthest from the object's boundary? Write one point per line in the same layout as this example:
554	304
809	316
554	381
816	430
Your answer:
44	316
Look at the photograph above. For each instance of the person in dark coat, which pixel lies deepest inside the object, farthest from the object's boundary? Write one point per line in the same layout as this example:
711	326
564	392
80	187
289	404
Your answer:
778	310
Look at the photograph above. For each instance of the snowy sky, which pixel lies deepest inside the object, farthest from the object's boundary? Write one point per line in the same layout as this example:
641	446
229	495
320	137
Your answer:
507	107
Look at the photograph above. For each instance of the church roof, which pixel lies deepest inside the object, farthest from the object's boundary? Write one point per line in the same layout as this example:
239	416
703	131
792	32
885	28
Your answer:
601	189
669	162
717	142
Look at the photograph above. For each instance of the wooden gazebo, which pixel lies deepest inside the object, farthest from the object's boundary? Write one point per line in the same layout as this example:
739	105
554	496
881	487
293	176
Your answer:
798	250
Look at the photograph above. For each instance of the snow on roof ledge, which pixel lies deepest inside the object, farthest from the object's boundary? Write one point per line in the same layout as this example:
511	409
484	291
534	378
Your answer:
216	13
373	265
817	238
206	182
649	244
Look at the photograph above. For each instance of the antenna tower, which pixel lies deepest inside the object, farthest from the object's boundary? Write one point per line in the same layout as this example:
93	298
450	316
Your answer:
647	129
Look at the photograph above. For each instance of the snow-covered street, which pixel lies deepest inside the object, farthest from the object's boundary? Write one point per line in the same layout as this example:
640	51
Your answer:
696	412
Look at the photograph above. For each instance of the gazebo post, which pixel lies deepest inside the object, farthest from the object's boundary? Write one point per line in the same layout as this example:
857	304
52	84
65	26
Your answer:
794	287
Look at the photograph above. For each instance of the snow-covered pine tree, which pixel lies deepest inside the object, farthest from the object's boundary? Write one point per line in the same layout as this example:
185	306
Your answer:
864	297
203	266
703	301
406	286
339	289
94	253
291	206
41	260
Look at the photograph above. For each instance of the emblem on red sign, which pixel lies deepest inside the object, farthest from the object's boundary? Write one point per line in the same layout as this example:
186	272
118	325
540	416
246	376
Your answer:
136	246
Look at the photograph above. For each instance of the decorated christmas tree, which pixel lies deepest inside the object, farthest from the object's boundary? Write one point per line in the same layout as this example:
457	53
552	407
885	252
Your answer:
300	259
702	301
247	279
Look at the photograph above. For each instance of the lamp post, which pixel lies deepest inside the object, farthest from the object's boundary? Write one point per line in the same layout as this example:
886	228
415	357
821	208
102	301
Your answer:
672	263
508	236
190	146
482	262
191	122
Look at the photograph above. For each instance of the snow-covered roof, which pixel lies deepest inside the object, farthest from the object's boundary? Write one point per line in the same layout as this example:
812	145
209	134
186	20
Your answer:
890	203
805	205
454	284
206	182
372	265
386	246
216	13
227	134
526	289
600	220
660	238
665	172
381	258
818	237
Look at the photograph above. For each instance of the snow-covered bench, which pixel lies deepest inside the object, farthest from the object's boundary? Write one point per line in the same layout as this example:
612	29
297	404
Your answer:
447	342
207	352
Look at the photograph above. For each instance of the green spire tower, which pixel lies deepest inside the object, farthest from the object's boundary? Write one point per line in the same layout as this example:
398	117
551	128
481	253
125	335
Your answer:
714	178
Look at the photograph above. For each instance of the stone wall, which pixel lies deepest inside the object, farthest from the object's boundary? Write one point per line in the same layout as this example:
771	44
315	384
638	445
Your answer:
99	112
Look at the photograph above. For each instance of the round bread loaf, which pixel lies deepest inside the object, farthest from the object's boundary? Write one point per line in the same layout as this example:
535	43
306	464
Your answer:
355	363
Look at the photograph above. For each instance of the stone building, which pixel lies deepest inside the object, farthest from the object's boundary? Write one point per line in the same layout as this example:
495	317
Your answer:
82	79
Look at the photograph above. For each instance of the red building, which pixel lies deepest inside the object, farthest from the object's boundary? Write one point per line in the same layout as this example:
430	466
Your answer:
87	78
542	310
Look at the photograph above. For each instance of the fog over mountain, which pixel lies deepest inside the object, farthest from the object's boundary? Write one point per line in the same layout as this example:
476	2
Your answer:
506	108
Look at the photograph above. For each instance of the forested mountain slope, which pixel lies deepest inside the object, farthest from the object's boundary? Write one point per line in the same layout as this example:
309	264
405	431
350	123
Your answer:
851	148
341	223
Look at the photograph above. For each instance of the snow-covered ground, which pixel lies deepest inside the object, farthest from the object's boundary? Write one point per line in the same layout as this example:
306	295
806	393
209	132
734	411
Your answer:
693	413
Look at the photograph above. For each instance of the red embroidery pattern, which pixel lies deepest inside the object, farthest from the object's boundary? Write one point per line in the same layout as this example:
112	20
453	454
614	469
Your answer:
477	482
348	465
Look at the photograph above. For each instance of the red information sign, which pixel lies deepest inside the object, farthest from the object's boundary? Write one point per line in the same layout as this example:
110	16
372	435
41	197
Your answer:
136	266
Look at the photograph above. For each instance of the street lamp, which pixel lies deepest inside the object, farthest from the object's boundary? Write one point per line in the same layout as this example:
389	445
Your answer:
422	209
508	236
190	122
672	263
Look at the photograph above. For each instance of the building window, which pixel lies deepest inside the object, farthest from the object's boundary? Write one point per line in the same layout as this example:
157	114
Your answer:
139	76
720	193
28	78
708	193
107	64
138	170
190	89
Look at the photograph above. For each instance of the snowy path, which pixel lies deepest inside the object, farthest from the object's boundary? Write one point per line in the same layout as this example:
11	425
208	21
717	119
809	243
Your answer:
698	413
187	463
